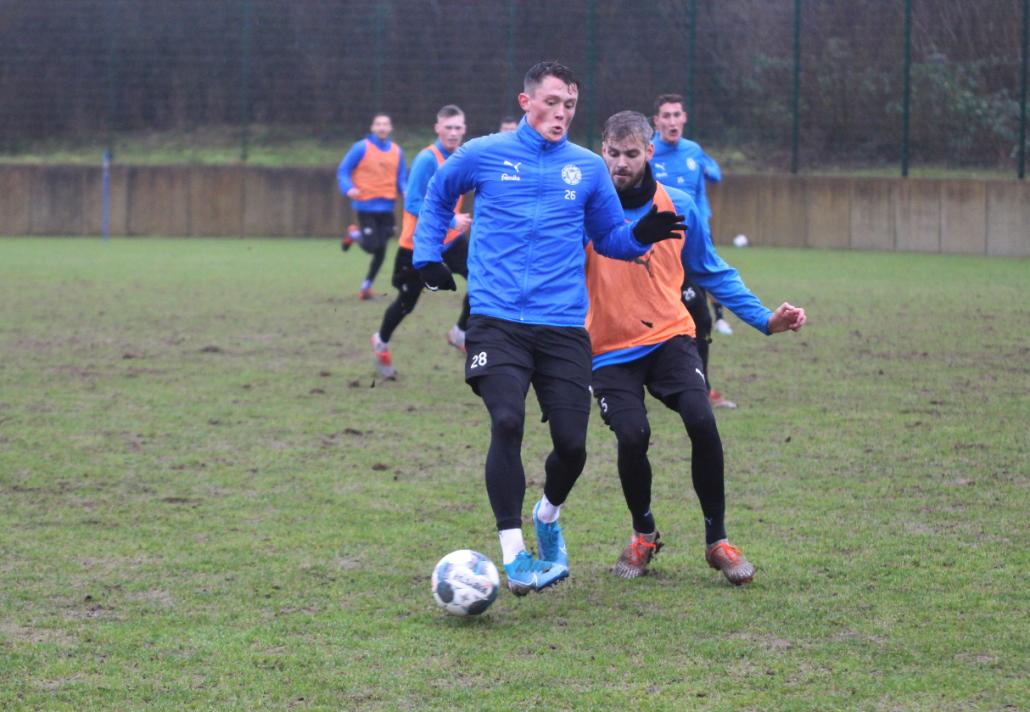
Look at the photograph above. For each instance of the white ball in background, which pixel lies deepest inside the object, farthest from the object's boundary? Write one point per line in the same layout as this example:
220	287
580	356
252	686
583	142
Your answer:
740	241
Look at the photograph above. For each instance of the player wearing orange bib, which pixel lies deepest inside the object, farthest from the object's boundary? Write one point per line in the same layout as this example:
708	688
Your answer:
643	337
450	130
373	175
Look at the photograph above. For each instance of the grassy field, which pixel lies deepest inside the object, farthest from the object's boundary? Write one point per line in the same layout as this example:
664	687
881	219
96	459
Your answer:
206	502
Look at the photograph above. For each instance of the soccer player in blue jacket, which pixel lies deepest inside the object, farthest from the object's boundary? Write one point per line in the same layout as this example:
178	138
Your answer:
682	164
536	195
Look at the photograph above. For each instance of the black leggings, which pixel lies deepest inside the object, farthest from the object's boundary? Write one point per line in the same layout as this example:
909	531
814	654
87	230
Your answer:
633	434
378	256
376	230
409	288
698	308
404	304
505	477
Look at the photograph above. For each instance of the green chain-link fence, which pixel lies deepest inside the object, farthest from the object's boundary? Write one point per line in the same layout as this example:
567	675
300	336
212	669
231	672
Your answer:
777	85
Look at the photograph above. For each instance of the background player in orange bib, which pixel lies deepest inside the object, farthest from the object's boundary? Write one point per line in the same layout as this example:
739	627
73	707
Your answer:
643	336
372	175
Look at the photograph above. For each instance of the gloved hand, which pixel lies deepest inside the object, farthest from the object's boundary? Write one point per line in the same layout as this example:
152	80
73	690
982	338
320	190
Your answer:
657	226
436	277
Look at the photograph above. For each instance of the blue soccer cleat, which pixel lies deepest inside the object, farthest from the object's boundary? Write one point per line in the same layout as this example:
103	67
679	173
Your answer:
550	540
527	574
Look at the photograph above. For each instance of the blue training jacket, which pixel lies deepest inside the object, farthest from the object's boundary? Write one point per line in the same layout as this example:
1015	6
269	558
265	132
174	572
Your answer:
684	165
423	168
705	267
534	198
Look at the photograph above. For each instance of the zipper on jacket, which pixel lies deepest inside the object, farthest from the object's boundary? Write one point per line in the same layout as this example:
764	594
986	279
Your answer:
532	233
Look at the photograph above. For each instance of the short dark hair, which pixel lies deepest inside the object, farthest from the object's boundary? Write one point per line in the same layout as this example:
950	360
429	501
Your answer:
509	120
668	99
449	110
625	124
538	71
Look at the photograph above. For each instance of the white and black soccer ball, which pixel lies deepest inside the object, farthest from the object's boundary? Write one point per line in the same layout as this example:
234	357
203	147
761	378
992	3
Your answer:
465	583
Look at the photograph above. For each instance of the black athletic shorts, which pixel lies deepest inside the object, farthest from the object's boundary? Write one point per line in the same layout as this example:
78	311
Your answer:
456	258
555	359
669	370
376	230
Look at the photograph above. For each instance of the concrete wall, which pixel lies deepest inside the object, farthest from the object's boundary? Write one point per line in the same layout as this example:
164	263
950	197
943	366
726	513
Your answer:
912	215
915	214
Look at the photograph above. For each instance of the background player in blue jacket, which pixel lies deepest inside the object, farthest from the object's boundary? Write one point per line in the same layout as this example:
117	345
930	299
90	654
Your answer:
682	164
450	131
536	195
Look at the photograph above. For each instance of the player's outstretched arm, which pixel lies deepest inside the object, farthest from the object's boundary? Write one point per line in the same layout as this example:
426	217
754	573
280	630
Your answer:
787	317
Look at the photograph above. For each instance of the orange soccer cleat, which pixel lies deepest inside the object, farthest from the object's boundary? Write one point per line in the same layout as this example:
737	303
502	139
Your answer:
725	557
638	554
717	401
383	360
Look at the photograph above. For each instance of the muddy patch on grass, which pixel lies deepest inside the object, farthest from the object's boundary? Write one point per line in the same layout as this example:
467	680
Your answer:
155	595
35	635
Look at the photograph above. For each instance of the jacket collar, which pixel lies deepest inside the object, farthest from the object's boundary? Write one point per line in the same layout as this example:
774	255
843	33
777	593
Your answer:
441	149
529	136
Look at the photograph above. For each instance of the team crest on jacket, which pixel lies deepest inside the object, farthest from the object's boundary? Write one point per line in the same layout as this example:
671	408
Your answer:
692	164
571	174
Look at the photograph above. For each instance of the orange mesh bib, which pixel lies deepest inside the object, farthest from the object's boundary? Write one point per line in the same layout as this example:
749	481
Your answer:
410	221
376	173
637	303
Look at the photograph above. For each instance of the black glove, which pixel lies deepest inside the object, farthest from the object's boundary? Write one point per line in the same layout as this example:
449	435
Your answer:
436	277
657	226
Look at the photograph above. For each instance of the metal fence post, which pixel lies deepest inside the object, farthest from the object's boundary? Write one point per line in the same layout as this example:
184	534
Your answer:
1022	91
513	77
591	72
796	98
906	101
691	58
245	69
112	104
377	85
112	96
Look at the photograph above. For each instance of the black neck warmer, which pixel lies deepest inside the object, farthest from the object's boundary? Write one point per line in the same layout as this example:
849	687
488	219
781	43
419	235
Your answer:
642	194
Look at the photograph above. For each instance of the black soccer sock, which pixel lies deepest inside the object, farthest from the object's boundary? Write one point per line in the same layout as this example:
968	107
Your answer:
633	434
706	461
505	477
407	297
377	261
565	462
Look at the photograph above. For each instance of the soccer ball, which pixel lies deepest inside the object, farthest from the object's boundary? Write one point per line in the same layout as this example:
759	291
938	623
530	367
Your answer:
740	241
465	583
